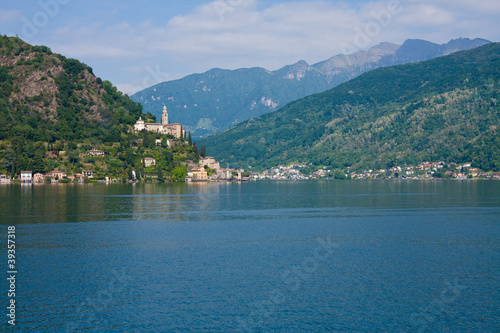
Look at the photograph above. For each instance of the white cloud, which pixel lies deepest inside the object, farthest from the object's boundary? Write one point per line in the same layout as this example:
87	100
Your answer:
427	15
486	7
244	33
314	30
283	32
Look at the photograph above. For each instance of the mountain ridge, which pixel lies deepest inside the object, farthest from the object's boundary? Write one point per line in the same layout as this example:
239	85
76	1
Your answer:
443	109
217	99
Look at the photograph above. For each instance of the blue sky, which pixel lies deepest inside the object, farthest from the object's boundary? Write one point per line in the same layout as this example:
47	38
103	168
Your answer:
138	44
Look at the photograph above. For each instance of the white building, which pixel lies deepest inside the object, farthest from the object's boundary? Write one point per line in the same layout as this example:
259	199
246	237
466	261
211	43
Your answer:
149	161
26	176
163	128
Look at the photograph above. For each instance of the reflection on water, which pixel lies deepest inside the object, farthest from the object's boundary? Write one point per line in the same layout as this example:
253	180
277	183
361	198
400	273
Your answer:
199	201
204	257
100	202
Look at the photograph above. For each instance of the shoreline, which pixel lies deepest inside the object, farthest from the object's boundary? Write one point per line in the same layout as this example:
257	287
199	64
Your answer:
249	181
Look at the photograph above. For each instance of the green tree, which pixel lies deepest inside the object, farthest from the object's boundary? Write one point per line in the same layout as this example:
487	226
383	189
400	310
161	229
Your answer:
164	143
58	146
73	157
160	173
49	136
339	175
196	152
130	174
9	161
18	144
51	165
179	173
39	164
148	141
139	170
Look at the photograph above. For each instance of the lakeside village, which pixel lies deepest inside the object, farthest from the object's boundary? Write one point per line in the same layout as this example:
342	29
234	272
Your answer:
168	142
162	148
425	170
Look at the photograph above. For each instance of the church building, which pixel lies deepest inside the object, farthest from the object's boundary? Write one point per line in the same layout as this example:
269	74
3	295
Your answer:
163	128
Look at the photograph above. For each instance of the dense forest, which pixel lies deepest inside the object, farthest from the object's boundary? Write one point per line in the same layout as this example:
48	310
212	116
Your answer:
445	109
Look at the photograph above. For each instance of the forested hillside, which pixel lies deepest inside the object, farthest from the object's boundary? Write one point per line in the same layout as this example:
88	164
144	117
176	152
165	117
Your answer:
445	109
46	96
54	111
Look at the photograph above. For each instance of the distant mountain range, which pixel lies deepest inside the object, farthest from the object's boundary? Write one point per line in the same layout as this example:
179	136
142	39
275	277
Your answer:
444	109
216	100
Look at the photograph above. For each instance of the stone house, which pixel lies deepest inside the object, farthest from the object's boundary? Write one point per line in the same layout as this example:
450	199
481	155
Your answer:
210	162
198	173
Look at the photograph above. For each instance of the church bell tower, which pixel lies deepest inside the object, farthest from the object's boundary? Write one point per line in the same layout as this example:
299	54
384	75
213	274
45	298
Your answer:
164	116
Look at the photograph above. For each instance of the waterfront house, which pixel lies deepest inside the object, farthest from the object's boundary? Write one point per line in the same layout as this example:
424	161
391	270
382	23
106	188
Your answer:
225	174
4	179
474	172
198	173
38	178
57	175
26	176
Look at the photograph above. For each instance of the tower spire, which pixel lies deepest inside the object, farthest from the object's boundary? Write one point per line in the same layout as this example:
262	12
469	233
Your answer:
164	116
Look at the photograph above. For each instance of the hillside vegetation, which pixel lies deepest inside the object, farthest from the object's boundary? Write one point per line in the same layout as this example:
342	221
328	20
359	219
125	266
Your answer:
46	97
445	109
53	111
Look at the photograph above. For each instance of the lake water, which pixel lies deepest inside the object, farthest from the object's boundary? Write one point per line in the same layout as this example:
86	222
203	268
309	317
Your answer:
332	256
